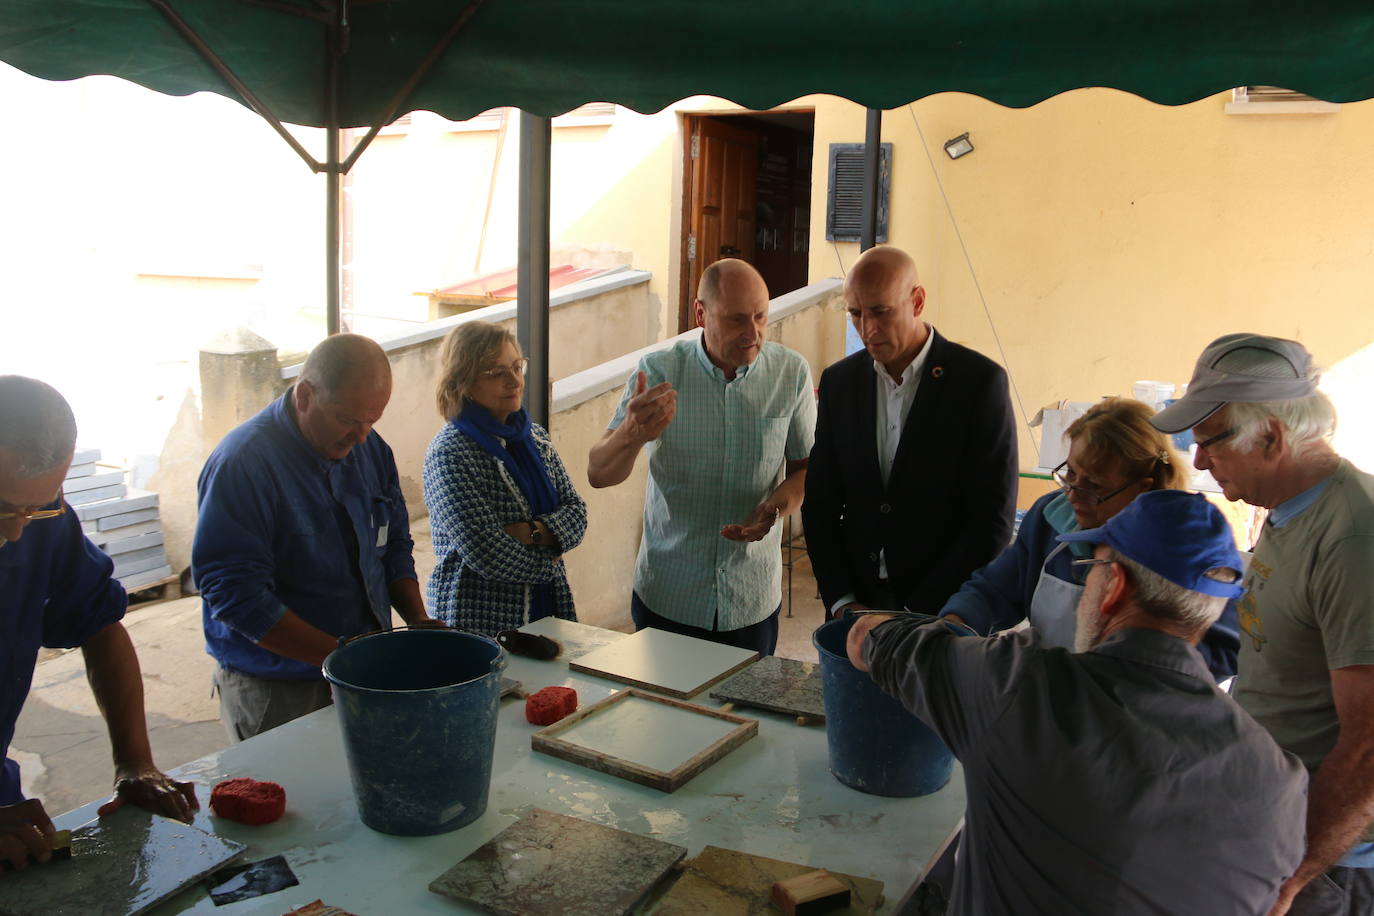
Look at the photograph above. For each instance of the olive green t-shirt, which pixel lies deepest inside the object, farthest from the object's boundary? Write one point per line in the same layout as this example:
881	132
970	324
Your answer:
1308	609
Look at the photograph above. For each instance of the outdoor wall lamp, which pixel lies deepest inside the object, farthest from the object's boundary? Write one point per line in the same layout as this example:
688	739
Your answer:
959	146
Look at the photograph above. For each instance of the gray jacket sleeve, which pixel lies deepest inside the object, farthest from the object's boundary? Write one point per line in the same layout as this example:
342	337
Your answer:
958	685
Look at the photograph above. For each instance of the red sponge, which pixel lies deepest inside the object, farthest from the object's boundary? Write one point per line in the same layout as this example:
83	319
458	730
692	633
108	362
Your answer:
248	801
549	705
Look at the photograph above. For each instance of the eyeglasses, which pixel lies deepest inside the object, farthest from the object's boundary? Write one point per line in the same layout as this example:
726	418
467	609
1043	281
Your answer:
31	514
1065	477
515	370
1086	565
1219	437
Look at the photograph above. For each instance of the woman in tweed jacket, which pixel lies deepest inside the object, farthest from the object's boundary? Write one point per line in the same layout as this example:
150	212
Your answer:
501	506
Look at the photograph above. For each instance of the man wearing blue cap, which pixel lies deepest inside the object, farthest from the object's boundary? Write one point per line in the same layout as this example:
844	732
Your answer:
1090	775
1306	659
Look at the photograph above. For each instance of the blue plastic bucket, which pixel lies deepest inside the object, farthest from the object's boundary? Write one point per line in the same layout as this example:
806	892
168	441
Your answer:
876	746
417	709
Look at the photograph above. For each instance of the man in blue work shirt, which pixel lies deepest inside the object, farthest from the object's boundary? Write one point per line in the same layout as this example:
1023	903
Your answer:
1116	778
56	591
721	416
302	538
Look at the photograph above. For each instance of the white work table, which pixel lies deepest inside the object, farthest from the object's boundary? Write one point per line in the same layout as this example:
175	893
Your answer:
773	796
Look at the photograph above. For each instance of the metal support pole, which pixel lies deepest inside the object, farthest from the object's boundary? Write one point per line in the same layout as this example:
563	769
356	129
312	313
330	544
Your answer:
532	277
333	51
873	139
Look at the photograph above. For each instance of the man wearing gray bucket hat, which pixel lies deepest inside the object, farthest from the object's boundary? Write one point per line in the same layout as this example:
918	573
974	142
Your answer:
1307	642
1089	773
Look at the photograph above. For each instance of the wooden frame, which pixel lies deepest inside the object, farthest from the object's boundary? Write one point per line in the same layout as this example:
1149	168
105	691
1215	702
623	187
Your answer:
547	741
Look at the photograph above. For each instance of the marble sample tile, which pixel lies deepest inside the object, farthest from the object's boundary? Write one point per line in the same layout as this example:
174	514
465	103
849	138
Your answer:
724	882
546	864
679	666
124	864
785	685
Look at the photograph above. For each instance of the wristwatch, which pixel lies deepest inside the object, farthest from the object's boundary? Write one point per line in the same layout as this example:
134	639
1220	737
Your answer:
535	536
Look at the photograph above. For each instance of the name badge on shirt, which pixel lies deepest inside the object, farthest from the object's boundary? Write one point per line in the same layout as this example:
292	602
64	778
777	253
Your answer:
381	535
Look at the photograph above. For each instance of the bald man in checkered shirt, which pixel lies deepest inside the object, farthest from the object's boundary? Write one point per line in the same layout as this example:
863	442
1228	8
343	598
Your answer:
722	416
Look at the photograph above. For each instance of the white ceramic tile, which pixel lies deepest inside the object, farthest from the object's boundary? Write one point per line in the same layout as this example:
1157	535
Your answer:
657	660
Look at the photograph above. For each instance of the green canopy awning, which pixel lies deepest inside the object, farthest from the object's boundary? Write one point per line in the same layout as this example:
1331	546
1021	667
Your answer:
548	56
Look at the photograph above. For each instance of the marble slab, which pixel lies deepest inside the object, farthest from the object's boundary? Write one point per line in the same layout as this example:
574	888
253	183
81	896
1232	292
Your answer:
785	685
679	666
547	863
121	864
576	638
724	882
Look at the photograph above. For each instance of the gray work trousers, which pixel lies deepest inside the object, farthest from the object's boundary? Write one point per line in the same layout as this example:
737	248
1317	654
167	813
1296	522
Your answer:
1339	892
251	705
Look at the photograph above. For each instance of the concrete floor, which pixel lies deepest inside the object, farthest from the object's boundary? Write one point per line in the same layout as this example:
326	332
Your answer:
61	743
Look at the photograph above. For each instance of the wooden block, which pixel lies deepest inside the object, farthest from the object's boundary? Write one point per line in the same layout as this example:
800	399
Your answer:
809	894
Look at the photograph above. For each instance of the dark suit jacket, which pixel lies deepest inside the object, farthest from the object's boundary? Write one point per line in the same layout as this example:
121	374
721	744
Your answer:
948	505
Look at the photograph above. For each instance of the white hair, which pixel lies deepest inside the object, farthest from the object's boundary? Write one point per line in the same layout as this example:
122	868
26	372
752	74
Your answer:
1159	597
1308	421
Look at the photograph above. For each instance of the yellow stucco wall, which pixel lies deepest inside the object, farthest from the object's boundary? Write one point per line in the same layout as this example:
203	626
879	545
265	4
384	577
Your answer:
1113	238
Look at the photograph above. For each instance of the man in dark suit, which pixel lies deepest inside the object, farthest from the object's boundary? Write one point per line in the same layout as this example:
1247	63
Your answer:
912	481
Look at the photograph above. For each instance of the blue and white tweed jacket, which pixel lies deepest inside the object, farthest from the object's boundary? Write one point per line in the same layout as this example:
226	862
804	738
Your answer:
482	576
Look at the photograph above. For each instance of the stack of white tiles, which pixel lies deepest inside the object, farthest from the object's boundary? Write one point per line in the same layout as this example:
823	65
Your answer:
122	522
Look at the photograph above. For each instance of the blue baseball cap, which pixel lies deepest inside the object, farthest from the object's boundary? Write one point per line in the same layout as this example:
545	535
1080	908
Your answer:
1174	534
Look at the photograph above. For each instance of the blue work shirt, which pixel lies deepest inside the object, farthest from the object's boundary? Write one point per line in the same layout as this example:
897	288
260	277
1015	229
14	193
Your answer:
55	591
282	528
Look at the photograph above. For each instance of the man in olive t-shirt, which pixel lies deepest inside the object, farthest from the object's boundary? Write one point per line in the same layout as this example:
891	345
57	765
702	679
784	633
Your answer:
1307	644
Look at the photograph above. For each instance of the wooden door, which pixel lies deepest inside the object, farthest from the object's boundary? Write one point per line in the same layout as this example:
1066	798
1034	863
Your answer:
720	211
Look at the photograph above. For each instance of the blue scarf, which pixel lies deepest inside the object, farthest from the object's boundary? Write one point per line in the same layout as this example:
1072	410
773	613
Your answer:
526	467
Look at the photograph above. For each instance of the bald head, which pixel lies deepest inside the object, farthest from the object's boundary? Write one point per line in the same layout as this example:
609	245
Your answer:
37	427
732	309
730	278
885	302
881	266
345	385
346	361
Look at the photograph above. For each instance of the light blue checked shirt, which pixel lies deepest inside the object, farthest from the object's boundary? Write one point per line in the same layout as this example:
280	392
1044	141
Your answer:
719	458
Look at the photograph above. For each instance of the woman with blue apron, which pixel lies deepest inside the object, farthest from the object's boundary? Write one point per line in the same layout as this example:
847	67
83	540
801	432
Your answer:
1114	456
